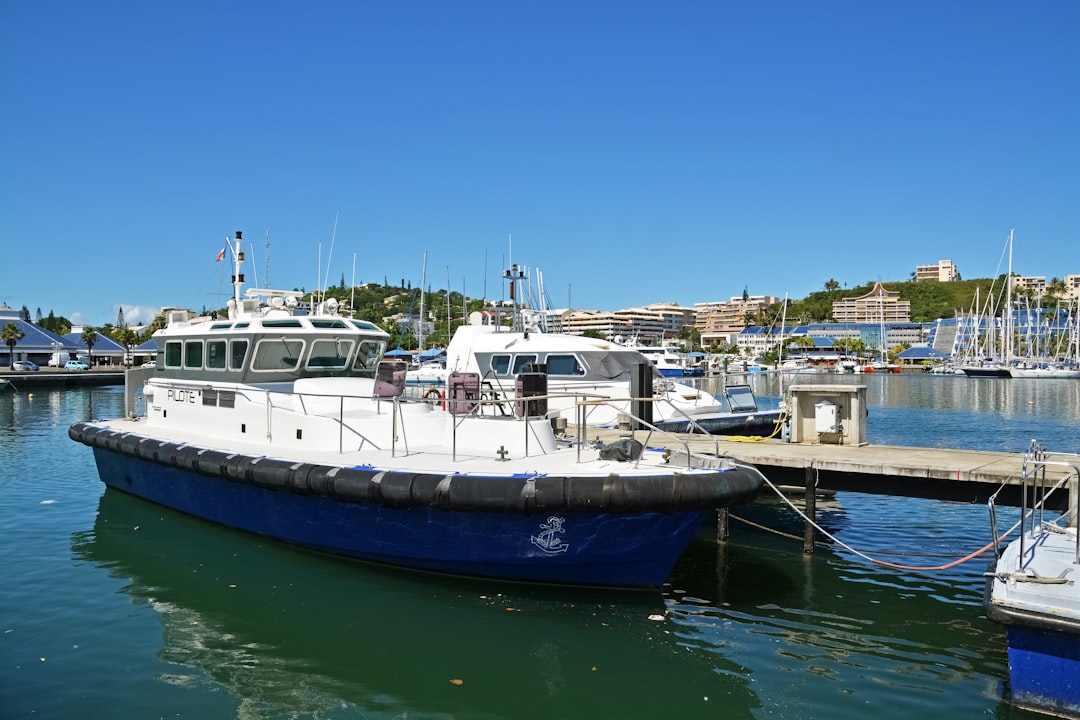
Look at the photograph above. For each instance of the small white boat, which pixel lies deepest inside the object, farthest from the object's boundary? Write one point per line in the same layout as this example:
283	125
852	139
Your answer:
667	359
1033	589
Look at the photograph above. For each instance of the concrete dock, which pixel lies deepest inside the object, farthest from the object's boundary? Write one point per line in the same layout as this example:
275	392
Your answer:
805	469
969	476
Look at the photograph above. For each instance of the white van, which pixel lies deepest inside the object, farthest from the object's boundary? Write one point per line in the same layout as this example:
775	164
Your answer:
58	359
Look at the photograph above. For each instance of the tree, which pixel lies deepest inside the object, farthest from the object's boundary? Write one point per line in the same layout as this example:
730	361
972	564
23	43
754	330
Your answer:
120	318
37	317
831	285
11	337
129	339
25	313
800	341
89	336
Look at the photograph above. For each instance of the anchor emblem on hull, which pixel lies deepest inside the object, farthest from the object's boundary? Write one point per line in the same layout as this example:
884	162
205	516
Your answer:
549	540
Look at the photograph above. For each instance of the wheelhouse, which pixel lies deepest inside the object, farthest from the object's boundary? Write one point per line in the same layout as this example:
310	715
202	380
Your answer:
272	349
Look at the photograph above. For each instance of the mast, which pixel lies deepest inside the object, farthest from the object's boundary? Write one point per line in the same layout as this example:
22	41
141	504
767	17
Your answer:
1007	320
238	264
420	325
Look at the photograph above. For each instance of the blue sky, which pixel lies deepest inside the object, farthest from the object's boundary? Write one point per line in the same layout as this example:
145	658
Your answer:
636	152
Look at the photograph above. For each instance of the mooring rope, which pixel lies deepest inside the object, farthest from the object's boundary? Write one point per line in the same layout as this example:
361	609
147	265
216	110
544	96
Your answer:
895	566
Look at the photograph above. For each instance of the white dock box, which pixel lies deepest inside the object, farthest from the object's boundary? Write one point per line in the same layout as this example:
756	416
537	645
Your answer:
825	419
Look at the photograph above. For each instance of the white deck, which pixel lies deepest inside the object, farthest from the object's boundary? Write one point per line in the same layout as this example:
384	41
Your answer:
1050	554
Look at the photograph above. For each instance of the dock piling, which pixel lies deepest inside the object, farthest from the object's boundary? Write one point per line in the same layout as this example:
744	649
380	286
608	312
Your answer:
810	507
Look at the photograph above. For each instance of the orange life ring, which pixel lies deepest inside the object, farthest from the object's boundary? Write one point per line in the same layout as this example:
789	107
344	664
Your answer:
433	396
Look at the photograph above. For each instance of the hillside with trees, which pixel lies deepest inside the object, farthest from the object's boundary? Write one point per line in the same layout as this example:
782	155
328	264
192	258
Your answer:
929	300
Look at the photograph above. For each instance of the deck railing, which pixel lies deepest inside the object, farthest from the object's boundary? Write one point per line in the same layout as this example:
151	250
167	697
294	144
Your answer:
1034	486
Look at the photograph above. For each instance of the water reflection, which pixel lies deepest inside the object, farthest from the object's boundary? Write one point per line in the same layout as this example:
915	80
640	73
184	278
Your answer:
820	634
288	632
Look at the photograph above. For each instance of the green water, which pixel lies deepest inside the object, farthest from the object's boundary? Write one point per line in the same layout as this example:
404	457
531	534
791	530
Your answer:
112	607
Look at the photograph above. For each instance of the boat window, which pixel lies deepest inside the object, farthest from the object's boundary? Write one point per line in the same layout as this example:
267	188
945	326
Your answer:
328	323
367	359
500	364
237	351
285	322
365	325
240	325
221	326
174	353
330	354
215	354
193	353
277	354
564	365
520	361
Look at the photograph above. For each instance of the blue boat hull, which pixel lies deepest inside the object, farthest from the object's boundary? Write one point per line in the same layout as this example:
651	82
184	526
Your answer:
631	549
1044	670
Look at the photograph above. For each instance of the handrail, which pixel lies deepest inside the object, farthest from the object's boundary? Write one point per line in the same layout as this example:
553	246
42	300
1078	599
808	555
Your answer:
1038	457
256	396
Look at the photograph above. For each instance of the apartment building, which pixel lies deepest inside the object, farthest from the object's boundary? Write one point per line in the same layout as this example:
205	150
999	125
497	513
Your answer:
721	322
944	271
878	305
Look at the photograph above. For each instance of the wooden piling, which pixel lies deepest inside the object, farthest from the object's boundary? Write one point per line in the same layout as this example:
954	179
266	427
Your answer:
810	507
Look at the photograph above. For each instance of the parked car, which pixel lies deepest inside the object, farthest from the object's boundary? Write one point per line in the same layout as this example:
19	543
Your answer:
76	365
25	366
149	364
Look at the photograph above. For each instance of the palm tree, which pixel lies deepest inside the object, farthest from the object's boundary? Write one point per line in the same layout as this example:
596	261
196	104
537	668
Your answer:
89	336
11	337
129	339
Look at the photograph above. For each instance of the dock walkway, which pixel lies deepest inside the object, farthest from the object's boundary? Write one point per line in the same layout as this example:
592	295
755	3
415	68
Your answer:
970	476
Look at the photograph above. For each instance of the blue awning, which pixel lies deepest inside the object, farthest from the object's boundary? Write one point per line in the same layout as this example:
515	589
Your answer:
921	353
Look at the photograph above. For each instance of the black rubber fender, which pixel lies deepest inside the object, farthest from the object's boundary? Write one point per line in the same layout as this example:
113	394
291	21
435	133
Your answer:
239	468
110	441
149	449
212	462
352	485
492	494
186	457
298	477
271	474
549	493
395	489
319	479
128	444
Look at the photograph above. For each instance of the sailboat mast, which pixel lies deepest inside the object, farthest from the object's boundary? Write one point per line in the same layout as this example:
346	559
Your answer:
420	325
1007	342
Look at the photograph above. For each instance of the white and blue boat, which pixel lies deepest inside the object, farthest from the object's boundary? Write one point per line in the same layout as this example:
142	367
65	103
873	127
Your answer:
293	426
1032	590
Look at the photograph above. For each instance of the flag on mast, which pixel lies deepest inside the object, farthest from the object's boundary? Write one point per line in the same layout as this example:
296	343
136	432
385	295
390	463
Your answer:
220	255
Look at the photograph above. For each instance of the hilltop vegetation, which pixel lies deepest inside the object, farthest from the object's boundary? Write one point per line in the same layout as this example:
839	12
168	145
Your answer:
929	300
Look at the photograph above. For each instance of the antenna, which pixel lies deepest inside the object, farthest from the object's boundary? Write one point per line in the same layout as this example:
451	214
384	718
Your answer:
266	259
329	257
254	267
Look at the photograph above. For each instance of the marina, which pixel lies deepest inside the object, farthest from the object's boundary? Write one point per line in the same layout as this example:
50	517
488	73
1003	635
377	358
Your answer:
220	621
